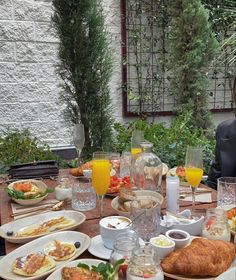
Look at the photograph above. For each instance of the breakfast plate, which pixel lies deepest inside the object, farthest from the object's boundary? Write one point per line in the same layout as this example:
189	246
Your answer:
71	237
29	228
97	248
180	172
229	274
57	274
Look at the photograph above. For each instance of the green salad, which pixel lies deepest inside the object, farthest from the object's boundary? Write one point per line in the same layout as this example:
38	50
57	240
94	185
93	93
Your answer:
21	195
106	270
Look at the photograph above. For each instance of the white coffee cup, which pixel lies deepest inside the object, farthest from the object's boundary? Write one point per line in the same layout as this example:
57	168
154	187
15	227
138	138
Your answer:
111	226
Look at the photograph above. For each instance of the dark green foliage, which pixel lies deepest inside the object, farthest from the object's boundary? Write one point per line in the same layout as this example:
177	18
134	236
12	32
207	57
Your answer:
169	142
192	48
21	147
85	68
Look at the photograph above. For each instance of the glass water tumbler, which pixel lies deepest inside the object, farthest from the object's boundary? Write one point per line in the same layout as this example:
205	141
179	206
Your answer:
147	169
226	191
144	264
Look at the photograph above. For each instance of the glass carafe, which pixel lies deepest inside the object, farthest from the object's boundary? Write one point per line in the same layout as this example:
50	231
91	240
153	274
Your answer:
147	169
122	249
144	264
216	225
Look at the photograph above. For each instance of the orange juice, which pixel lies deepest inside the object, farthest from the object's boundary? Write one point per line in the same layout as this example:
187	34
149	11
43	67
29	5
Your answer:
135	151
193	175
101	175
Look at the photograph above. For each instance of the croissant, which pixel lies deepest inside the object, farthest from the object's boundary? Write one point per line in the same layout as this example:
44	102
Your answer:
202	257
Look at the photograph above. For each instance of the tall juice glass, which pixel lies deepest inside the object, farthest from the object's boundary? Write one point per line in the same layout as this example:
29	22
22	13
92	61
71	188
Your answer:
100	176
193	169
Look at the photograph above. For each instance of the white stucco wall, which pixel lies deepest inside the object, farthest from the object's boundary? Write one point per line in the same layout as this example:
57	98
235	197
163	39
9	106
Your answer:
28	84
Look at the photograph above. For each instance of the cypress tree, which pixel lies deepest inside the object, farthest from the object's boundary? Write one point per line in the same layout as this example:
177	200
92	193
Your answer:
85	68
192	48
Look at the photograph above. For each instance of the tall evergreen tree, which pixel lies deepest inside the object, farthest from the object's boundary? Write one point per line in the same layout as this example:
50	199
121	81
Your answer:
192	48
85	67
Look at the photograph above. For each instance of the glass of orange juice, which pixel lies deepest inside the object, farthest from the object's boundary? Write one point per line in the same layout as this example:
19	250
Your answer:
100	176
193	168
136	139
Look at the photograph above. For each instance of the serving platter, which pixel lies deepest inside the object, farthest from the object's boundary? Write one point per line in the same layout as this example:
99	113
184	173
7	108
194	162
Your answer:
41	244
57	274
19	225
229	274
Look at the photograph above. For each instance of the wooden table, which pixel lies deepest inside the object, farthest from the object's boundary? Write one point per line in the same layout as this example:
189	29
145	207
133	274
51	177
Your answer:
88	227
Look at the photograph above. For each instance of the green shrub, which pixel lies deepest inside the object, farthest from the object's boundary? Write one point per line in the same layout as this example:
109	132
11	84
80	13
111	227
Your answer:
21	147
169	142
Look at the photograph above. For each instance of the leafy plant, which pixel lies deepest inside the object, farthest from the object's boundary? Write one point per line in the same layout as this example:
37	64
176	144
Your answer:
85	68
107	270
169	142
21	147
192	48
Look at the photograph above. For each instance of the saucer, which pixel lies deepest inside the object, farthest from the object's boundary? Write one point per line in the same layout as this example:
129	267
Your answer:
97	248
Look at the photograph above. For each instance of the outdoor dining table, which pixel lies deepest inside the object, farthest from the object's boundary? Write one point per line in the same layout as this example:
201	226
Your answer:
92	217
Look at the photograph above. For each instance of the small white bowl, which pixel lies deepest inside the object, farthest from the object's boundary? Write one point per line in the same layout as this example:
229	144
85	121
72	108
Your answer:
111	226
162	250
179	243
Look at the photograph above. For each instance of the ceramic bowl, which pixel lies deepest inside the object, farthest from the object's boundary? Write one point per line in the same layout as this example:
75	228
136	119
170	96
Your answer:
111	226
155	196
179	243
193	227
30	201
162	245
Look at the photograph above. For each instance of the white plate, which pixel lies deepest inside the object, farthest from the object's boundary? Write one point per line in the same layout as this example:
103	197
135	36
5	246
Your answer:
227	275
39	244
57	274
15	226
97	248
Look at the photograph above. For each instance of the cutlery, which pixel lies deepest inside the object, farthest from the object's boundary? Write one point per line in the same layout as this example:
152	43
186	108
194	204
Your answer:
55	207
185	194
22	207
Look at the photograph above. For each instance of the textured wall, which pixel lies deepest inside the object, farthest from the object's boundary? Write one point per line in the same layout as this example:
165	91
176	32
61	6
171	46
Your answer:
28	54
28	83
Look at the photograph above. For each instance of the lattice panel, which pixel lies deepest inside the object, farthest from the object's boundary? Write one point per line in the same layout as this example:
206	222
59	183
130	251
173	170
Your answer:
145	55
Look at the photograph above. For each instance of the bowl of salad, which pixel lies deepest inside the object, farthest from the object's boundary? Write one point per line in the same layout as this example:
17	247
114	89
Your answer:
180	172
27	192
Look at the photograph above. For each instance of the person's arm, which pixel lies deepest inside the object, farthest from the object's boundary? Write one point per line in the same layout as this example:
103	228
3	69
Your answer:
215	170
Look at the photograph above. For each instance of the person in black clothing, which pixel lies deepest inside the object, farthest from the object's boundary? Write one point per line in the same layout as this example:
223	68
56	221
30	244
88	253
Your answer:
224	164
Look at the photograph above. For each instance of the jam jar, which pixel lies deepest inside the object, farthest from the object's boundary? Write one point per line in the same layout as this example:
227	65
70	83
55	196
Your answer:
144	263
122	249
216	225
